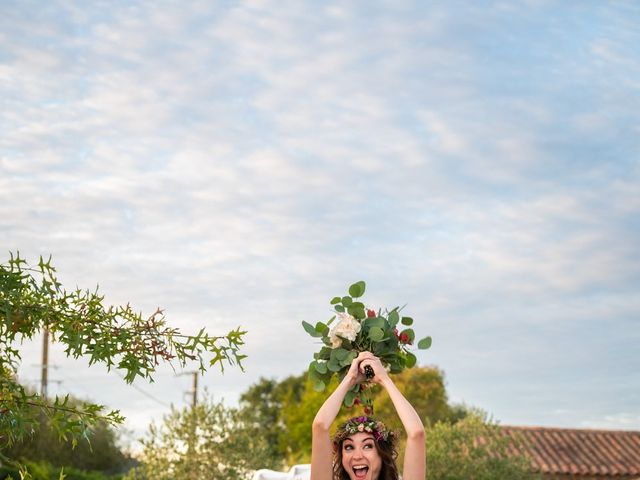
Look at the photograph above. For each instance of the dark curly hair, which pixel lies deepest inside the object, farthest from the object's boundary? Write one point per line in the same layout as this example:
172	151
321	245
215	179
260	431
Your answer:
386	448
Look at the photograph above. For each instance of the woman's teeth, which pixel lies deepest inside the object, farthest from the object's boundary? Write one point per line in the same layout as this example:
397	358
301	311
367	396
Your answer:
360	472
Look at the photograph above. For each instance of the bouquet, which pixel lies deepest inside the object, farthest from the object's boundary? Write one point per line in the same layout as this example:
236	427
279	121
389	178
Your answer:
353	329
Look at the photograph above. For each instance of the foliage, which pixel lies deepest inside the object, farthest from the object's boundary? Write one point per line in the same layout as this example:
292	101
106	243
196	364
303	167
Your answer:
264	405
208	442
45	471
102	454
359	329
32	299
472	449
286	409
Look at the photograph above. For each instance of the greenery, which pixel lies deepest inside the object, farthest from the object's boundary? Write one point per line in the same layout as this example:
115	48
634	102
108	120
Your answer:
208	442
45	471
360	329
286	409
32	299
472	449
461	442
103	454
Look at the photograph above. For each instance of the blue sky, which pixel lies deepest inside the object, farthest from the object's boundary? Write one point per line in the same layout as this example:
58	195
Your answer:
240	163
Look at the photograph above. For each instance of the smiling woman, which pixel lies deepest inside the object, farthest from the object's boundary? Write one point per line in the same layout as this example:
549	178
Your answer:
363	448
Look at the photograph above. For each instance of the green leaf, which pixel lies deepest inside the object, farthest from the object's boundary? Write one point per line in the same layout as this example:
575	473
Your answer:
335	300
374	322
341	353
339	308
410	360
349	398
310	329
357	289
324	353
407	321
357	312
347	301
393	317
321	367
313	373
319	386
321	328
410	333
333	365
376	334
425	343
331	320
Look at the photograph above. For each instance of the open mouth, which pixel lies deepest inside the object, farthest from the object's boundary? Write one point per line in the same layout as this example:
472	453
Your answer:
360	472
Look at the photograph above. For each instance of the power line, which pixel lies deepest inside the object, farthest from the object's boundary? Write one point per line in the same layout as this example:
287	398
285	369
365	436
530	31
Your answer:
146	394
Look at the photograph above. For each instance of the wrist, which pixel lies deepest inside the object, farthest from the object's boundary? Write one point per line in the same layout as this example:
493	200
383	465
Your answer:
385	381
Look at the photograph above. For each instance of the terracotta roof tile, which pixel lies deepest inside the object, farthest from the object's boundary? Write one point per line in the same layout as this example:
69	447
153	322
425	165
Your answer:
561	451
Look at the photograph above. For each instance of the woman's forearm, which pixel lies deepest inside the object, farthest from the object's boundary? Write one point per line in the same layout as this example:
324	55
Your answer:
408	416
331	407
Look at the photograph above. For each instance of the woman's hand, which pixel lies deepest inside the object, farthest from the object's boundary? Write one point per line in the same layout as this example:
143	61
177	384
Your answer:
356	375
380	373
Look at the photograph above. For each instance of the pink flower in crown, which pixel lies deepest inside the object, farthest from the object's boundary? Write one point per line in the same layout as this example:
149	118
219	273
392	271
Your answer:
361	428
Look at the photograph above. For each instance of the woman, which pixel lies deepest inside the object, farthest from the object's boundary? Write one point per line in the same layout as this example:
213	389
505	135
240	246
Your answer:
364	449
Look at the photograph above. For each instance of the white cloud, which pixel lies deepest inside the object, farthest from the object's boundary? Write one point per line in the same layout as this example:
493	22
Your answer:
240	165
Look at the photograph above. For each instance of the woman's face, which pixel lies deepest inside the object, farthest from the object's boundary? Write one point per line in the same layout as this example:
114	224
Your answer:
360	457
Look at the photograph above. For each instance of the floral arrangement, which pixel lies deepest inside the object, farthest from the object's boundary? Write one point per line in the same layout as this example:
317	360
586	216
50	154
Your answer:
363	424
353	329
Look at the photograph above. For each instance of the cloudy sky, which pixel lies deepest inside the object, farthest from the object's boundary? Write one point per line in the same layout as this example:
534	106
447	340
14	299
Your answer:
240	163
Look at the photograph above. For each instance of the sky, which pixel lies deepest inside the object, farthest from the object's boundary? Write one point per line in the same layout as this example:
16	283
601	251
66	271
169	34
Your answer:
241	163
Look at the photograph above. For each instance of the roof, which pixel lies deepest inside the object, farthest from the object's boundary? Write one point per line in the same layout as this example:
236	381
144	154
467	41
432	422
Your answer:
578	452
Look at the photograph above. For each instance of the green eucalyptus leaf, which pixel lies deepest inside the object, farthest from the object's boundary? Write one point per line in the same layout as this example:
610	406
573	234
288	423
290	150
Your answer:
310	329
321	367
357	312
335	300
357	289
349	398
425	343
324	353
407	321
319	386
339	308
333	365
331	320
321	328
347	301
410	360
339	354
393	317
374	322
376	334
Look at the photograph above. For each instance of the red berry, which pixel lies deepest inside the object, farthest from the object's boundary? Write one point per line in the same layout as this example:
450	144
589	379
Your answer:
371	313
404	338
367	411
356	401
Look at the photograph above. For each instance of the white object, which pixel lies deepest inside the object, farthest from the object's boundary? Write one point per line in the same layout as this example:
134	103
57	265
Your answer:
297	472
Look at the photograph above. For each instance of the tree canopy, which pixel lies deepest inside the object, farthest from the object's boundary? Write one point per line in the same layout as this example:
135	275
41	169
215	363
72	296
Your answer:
210	441
32	299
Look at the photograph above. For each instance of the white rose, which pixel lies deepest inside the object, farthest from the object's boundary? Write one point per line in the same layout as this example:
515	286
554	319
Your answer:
347	327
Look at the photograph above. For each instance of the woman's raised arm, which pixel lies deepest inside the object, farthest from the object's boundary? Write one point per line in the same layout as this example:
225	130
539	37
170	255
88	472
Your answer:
321	446
415	461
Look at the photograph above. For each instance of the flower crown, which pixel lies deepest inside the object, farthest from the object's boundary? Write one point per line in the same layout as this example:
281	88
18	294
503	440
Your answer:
363	424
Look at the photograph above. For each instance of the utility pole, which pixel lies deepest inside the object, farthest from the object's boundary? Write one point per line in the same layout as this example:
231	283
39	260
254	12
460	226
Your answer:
45	363
194	398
